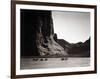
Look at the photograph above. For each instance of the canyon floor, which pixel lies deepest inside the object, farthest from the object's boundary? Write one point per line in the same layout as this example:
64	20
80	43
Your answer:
30	63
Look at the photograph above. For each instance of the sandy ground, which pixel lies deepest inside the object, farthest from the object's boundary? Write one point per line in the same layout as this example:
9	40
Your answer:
29	63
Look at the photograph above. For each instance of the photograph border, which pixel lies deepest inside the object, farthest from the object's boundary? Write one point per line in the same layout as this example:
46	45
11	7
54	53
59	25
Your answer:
13	38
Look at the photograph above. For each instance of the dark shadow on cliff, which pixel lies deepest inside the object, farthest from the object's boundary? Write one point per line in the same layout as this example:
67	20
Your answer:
37	34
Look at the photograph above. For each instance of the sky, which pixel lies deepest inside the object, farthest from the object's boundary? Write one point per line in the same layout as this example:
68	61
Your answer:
72	26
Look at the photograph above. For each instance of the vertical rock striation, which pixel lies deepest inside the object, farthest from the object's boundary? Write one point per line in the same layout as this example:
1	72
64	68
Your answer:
37	34
45	42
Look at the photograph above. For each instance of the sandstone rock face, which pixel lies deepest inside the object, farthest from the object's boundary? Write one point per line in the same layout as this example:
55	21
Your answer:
45	42
37	34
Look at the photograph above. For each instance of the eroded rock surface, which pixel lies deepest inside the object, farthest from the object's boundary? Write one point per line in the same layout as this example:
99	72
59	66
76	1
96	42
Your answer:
37	34
45	37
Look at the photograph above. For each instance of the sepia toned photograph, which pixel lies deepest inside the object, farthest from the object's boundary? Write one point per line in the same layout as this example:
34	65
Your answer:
52	39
